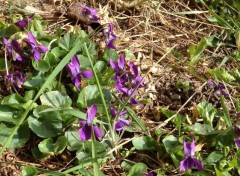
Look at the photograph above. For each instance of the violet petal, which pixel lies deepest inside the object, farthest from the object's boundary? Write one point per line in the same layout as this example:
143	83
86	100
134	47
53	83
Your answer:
91	113
186	164
77	81
237	141
36	55
97	131
121	61
198	164
113	111
87	74
32	39
121	123
43	48
84	132
189	148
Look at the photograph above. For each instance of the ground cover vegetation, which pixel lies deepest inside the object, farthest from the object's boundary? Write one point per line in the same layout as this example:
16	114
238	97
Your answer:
120	88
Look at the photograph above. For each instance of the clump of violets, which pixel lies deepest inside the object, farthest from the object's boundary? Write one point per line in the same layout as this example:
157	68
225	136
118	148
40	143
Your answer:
74	69
127	79
89	13
13	49
121	123
87	127
36	49
17	79
219	88
190	161
110	37
24	22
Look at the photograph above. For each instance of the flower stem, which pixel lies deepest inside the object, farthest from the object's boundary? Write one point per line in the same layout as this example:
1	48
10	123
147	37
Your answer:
101	94
225	112
94	156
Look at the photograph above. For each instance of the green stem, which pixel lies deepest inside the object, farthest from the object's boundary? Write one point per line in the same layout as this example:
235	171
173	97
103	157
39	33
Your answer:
225	112
94	155
101	95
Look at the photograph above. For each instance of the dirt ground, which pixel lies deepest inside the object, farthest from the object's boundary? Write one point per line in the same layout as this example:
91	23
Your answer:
159	36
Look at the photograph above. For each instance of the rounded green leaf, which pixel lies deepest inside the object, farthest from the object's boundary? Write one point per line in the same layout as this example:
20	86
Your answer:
56	99
45	124
19	138
139	169
90	94
29	171
73	140
144	143
46	146
42	65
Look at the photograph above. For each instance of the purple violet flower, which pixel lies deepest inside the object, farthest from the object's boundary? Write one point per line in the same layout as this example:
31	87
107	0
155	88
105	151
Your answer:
190	161
24	22
127	80
237	134
85	131
110	37
74	68
14	50
36	49
150	174
17	79
118	67
89	13
218	87
121	123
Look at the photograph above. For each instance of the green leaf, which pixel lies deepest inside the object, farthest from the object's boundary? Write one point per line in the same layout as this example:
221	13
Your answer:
196	52
56	99
19	138
222	75
39	155
202	129
110	54
29	171
101	66
207	112
139	169
214	157
84	62
144	143
129	55
9	114
16	101
29	95
42	65
34	83
67	41
236	74
90	95
171	144
73	140
45	124
13	99
48	147
177	120
84	154
51	59
58	52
